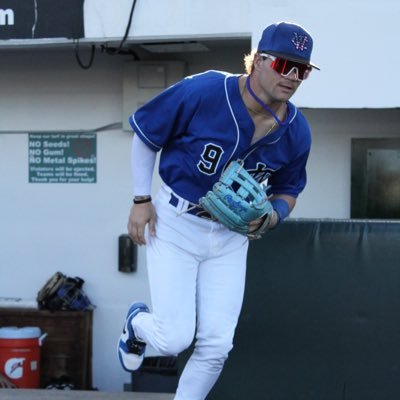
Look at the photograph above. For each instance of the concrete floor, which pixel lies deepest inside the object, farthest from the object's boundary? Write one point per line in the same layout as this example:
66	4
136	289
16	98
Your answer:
43	394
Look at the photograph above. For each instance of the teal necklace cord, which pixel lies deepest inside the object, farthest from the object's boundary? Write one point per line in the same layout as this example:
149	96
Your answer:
264	106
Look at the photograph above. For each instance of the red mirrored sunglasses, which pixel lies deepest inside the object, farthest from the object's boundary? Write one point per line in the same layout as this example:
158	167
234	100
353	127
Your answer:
286	67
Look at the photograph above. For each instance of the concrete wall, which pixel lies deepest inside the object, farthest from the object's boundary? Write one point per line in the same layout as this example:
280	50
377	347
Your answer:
350	38
327	194
72	228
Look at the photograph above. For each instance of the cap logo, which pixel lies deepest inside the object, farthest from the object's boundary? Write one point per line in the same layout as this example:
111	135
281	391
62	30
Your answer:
300	41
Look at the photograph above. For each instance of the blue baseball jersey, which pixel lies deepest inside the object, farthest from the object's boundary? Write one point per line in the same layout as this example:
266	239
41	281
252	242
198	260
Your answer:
201	123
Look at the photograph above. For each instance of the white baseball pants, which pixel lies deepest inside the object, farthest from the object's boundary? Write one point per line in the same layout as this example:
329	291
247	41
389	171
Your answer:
196	270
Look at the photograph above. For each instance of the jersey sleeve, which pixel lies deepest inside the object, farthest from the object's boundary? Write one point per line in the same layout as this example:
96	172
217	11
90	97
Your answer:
161	117
292	178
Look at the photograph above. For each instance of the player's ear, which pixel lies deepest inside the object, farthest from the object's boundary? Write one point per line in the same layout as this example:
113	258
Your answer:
257	60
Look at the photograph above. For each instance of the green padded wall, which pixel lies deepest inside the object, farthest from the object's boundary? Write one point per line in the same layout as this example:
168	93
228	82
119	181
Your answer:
321	316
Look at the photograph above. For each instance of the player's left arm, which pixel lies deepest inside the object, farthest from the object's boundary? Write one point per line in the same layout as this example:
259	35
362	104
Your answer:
286	185
283	205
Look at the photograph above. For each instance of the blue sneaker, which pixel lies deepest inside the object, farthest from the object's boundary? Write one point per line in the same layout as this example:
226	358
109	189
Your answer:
130	349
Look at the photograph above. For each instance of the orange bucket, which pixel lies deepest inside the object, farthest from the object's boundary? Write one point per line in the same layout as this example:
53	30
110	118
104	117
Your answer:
20	355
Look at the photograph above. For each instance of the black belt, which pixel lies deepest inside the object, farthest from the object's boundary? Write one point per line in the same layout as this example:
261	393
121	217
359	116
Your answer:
192	209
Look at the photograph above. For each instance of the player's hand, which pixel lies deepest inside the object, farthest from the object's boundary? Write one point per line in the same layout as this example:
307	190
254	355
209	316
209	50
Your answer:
140	215
255	224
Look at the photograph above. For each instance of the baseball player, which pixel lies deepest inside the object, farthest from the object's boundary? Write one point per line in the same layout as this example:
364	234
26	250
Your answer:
196	265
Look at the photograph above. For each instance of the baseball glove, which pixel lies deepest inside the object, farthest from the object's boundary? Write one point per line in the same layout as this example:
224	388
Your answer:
237	199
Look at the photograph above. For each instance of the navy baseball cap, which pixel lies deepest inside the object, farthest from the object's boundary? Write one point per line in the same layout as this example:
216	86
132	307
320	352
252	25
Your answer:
287	40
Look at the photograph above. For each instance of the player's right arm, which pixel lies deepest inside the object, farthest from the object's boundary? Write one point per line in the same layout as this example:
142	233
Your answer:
143	213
